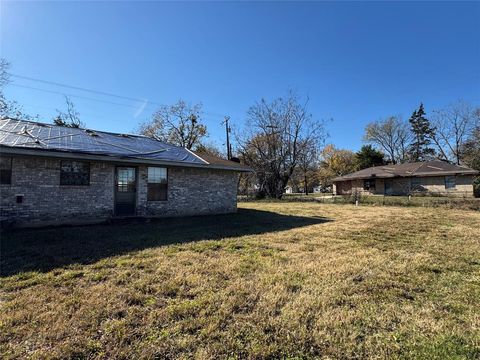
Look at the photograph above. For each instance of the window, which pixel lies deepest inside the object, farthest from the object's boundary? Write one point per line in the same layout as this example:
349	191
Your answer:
369	184
126	179
415	184
157	184
450	182
74	173
5	170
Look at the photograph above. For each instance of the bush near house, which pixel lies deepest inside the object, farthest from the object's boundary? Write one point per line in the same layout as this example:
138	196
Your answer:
476	187
277	280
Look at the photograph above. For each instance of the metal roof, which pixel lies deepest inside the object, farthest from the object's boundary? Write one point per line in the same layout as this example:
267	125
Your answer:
427	168
28	135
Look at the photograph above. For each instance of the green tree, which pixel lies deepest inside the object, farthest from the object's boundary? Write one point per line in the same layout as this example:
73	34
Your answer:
422	131
368	157
335	162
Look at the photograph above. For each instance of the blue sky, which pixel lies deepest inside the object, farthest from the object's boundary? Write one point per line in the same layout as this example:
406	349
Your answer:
357	61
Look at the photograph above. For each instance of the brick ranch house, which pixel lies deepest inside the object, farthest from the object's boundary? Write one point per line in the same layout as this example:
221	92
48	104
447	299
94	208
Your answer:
431	177
58	175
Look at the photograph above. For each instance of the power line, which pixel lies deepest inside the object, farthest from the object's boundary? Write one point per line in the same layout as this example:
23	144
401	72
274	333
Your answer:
79	88
72	95
149	103
83	113
69	95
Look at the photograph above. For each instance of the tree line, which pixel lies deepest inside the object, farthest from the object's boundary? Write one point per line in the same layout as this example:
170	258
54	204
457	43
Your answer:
445	135
450	134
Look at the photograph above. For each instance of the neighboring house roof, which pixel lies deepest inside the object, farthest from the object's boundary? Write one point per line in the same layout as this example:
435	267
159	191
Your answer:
35	138
215	160
416	169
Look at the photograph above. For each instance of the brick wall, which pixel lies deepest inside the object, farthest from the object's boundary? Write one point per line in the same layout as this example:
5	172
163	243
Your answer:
190	192
46	202
436	184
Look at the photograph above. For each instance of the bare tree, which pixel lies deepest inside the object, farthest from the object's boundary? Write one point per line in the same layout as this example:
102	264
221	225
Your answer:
453	126
391	135
471	155
470	149
4	76
70	117
9	108
275	138
209	148
307	162
179	124
404	138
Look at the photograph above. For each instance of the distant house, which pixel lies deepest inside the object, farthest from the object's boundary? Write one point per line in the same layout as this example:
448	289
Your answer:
51	175
322	188
431	177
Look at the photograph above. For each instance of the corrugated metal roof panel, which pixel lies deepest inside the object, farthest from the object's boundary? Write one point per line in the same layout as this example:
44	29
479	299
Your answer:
29	136
32	135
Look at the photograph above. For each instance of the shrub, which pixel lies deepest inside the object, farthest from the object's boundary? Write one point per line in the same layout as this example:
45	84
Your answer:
476	187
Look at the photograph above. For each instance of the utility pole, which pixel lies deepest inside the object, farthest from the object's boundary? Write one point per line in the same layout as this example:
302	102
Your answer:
227	130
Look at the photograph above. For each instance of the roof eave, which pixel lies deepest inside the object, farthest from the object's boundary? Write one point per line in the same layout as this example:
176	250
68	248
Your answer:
429	174
449	172
128	160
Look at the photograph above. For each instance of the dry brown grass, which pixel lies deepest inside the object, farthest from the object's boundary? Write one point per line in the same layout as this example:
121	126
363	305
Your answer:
277	280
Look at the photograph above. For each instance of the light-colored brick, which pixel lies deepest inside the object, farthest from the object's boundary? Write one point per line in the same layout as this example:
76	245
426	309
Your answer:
434	185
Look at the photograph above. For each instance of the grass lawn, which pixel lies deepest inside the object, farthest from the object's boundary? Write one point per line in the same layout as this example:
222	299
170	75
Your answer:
276	280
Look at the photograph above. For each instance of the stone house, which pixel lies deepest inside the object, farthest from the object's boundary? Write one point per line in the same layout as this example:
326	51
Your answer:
58	175
431	177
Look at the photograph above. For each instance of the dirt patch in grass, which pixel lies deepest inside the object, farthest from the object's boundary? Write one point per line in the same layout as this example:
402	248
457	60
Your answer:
276	280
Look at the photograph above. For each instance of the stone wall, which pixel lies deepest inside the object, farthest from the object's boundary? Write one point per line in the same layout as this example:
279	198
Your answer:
46	202
434	185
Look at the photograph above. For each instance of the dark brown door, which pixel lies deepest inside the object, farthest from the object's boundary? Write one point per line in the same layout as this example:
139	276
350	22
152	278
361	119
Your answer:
125	191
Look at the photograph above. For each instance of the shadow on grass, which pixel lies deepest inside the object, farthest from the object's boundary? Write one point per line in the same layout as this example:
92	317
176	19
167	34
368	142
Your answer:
46	249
